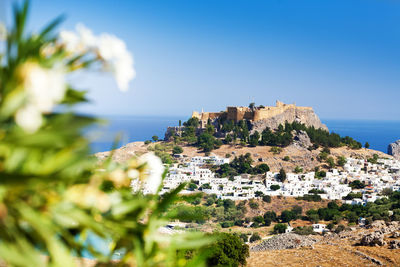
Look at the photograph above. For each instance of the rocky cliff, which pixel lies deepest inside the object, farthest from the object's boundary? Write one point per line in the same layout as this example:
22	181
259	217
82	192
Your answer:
305	116
394	149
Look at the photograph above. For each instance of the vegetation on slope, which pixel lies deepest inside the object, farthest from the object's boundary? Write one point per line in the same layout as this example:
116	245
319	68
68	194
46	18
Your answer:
234	133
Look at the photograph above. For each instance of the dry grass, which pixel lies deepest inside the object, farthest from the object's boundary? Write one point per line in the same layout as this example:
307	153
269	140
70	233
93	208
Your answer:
324	255
280	204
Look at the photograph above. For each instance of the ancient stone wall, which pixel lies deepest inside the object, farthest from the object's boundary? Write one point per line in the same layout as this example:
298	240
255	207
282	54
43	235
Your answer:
266	116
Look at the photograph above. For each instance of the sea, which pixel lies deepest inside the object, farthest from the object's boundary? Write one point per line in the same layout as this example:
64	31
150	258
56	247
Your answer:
120	130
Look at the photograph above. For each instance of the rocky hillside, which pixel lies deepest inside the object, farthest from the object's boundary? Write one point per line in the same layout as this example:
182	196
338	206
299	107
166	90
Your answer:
376	245
305	116
394	149
297	154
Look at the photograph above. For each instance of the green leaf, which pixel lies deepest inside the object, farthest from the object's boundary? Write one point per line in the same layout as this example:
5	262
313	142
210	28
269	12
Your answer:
74	96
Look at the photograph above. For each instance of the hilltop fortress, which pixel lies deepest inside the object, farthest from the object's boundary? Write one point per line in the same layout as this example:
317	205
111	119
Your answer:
262	117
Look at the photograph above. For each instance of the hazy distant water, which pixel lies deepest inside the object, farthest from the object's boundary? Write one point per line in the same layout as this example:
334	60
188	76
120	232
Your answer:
379	134
130	128
133	128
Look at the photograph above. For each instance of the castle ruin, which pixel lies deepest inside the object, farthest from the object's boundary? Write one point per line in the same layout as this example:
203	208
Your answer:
261	117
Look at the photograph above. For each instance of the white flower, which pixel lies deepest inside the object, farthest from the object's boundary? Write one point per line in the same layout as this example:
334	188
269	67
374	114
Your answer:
3	32
154	170
112	50
29	118
124	71
87	39
70	41
117	58
133	174
111	47
89	197
45	87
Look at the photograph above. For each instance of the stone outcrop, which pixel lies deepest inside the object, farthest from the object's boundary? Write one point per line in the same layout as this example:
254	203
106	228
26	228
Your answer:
394	244
395	234
285	241
305	116
373	239
301	139
394	149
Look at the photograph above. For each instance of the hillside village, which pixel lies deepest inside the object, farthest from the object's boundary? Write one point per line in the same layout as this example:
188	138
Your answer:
384	174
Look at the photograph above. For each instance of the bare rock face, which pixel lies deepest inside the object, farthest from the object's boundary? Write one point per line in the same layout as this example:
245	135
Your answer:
373	239
395	235
301	139
307	117
394	149
285	241
394	244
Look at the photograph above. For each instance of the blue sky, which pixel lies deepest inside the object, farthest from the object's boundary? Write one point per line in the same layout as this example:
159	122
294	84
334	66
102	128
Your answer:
341	57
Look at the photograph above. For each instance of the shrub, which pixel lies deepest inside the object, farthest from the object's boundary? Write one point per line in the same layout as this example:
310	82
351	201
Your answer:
255	237
177	150
275	150
305	230
287	216
280	228
253	205
258	219
310	197
229	250
270	215
298	169
227	224
282	175
266	198
286	158
275	187
244	237
357	184
339	228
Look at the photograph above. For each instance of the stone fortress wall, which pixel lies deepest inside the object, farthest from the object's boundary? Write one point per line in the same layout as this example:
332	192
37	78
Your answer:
270	116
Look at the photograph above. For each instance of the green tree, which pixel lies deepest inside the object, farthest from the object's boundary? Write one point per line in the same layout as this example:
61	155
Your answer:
282	175
258	219
280	228
206	141
274	187
341	160
357	184
254	138
314	218
253	205
366	145
228	139
331	162
297	210
261	168
323	155
229	250
297	169
287	216
270	215
155	138
266	198
192	187
177	150
255	237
